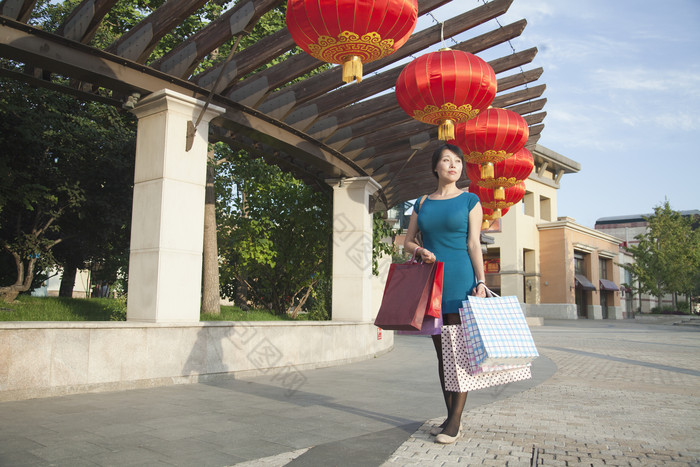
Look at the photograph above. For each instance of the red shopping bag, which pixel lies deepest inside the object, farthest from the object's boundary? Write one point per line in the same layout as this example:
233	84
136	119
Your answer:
408	295
435	305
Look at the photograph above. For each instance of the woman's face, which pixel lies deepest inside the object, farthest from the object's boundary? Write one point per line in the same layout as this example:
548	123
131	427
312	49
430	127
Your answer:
449	166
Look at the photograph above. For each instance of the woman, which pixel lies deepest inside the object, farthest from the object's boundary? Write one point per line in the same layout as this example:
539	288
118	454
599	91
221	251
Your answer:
449	220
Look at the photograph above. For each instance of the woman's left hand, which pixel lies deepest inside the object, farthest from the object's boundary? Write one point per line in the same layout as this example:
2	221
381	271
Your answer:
479	290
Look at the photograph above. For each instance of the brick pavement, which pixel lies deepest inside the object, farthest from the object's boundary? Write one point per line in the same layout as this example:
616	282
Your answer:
626	394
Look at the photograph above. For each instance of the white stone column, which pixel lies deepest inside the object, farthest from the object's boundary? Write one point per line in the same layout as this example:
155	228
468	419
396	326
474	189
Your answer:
352	248
165	261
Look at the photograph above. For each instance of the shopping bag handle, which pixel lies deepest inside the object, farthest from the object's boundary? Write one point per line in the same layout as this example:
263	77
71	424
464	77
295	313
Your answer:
413	259
491	293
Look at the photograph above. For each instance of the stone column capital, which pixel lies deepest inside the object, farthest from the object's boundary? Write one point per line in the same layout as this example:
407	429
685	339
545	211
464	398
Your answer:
168	100
354	183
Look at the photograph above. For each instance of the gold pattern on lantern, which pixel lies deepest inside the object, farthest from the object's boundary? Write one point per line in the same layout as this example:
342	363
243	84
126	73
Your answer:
368	47
500	181
437	115
497	205
476	157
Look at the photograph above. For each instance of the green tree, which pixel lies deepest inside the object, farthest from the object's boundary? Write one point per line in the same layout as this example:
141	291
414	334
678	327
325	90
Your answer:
667	257
65	166
274	233
381	231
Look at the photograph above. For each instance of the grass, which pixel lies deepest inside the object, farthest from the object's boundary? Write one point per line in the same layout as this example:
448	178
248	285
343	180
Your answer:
27	308
233	313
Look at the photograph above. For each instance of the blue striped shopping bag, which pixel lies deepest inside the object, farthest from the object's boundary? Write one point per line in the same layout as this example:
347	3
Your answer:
496	330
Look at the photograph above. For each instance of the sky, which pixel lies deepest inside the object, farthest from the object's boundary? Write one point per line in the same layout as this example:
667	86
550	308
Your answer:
623	97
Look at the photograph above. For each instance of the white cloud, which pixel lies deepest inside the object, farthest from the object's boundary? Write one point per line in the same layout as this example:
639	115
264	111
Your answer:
677	121
649	79
534	11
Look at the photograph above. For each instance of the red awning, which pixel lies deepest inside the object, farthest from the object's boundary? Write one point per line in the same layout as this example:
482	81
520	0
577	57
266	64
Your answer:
583	282
608	285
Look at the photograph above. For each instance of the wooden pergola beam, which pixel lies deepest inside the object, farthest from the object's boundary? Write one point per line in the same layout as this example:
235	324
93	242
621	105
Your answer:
239	19
305	173
138	43
528	107
512	98
519	79
532	141
18	10
376	122
534	119
82	23
247	61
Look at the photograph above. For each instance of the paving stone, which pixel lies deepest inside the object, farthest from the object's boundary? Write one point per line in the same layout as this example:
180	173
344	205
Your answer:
581	416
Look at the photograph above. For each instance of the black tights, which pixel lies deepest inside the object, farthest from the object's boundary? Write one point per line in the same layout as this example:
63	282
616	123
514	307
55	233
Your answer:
454	401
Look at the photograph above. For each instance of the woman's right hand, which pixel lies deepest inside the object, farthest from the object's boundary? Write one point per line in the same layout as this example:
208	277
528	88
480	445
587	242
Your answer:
427	256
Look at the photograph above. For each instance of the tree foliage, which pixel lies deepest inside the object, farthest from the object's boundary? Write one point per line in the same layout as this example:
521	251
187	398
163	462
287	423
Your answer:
66	177
381	231
667	257
274	233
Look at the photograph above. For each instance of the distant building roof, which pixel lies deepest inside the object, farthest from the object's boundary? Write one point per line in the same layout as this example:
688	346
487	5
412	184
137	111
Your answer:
639	218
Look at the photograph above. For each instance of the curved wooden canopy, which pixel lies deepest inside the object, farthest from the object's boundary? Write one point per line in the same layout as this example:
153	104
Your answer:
316	128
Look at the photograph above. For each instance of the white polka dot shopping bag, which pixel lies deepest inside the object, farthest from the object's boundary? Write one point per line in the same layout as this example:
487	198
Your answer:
455	361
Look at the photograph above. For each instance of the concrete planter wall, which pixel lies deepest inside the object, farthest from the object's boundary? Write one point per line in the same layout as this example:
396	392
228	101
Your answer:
40	359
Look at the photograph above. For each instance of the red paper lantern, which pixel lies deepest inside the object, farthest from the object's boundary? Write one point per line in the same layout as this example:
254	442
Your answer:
446	87
488	201
493	136
506	173
351	32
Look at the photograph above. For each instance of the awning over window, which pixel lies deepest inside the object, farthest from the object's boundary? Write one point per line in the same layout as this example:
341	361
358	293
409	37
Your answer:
583	282
608	285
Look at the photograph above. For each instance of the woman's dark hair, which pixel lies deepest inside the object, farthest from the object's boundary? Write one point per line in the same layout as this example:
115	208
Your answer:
438	154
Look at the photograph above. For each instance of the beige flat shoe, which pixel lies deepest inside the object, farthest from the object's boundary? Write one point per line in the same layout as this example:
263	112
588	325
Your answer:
436	430
446	439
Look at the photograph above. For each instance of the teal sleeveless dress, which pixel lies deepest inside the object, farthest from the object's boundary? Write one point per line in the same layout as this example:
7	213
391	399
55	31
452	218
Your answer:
444	224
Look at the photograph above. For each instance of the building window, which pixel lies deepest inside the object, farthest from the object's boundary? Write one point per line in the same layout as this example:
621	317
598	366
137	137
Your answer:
604	268
492	268
579	267
529	204
545	208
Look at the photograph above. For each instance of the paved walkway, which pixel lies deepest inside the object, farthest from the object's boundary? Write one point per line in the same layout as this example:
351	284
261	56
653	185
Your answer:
603	393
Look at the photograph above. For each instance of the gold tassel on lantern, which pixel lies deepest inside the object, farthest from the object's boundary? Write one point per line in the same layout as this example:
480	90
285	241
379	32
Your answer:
446	130
352	69
499	193
487	171
485	224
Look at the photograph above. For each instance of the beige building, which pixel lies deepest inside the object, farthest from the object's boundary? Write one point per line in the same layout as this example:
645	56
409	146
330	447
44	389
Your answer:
588	277
556	268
